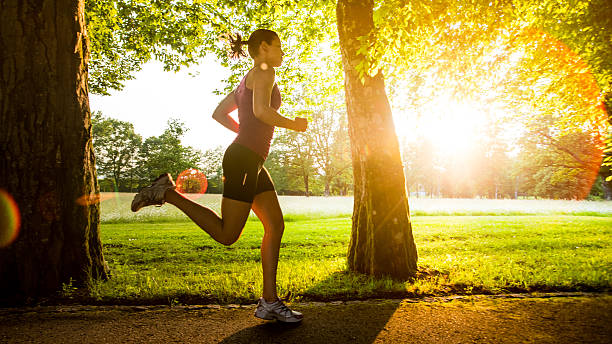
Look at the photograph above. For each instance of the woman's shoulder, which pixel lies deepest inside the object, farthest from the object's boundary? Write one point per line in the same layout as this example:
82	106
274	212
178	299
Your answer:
259	74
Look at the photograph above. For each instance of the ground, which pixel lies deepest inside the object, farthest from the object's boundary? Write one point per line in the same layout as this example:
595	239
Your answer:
585	318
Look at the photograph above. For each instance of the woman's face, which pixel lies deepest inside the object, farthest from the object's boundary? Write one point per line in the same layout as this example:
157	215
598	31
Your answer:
273	52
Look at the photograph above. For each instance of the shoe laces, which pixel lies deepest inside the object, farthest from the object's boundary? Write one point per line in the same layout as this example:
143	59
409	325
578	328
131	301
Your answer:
283	309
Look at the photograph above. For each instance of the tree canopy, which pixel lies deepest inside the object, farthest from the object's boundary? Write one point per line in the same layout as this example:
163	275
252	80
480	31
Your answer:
124	34
526	58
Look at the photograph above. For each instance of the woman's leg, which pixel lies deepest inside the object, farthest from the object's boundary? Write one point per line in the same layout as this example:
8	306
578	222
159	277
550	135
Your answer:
226	229
268	210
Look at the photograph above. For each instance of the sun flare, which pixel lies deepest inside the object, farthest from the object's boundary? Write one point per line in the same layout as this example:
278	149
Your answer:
452	127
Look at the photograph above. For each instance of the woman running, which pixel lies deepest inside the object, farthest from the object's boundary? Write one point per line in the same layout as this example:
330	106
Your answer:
246	183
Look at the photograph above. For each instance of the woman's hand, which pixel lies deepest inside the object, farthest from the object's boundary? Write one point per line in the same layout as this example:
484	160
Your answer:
300	124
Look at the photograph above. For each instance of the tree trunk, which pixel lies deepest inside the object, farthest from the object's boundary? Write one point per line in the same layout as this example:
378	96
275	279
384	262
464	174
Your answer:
47	160
606	186
381	240
306	186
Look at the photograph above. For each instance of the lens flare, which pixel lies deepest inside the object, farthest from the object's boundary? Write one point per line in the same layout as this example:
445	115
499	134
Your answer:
192	181
587	97
10	219
93	198
90	199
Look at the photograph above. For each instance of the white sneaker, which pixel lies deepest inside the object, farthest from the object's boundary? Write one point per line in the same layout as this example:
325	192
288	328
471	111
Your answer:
153	194
276	310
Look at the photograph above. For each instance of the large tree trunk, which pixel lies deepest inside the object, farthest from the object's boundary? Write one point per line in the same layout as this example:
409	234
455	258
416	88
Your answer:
381	239
47	162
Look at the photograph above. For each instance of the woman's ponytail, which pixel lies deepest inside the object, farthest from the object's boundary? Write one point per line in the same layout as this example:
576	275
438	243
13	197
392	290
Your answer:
236	44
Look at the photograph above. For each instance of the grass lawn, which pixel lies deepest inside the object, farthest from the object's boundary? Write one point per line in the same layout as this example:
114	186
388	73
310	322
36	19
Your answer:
176	262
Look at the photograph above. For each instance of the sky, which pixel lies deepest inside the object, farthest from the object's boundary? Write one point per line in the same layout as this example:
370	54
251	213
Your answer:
154	96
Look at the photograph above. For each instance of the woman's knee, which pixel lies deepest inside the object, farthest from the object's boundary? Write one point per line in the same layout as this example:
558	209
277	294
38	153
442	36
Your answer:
228	241
230	235
277	228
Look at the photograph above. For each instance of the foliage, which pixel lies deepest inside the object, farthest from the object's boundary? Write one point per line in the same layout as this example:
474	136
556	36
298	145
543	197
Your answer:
165	153
286	181
130	163
297	154
328	129
484	170
212	166
321	156
421	167
584	26
124	34
532	60
463	42
559	168
116	147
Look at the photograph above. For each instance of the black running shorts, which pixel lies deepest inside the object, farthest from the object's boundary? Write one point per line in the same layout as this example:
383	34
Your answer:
243	174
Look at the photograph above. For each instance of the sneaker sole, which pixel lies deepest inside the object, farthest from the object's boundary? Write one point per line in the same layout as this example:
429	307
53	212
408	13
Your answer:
133	206
272	317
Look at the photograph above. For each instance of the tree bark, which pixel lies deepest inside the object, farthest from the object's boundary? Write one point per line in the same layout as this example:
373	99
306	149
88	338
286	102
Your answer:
47	160
381	240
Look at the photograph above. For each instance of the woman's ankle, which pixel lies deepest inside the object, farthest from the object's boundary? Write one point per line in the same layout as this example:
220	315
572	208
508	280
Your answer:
270	299
170	195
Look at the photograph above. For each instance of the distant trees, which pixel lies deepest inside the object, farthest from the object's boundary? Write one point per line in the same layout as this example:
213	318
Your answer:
317	163
211	165
125	163
563	167
296	152
541	164
116	147
165	153
534	61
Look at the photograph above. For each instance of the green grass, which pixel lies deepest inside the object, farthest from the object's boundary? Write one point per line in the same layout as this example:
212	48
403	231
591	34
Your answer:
175	262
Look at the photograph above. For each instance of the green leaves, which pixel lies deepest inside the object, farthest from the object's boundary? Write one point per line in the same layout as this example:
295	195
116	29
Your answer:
124	34
116	146
123	158
166	153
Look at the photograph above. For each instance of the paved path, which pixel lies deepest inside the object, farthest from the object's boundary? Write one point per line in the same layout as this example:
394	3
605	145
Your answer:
464	320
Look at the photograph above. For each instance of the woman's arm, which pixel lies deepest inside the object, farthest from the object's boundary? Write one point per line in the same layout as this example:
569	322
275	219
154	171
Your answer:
221	113
263	83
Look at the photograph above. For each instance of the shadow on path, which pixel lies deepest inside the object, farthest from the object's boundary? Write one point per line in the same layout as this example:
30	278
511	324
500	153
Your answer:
330	324
335	323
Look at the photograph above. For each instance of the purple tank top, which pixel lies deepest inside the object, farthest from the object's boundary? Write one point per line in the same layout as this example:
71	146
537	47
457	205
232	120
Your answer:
253	133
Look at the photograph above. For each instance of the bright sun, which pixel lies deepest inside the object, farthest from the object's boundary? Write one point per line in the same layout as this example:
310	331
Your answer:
453	127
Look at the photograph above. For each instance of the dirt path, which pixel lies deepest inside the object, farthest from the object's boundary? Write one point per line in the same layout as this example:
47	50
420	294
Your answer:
465	320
